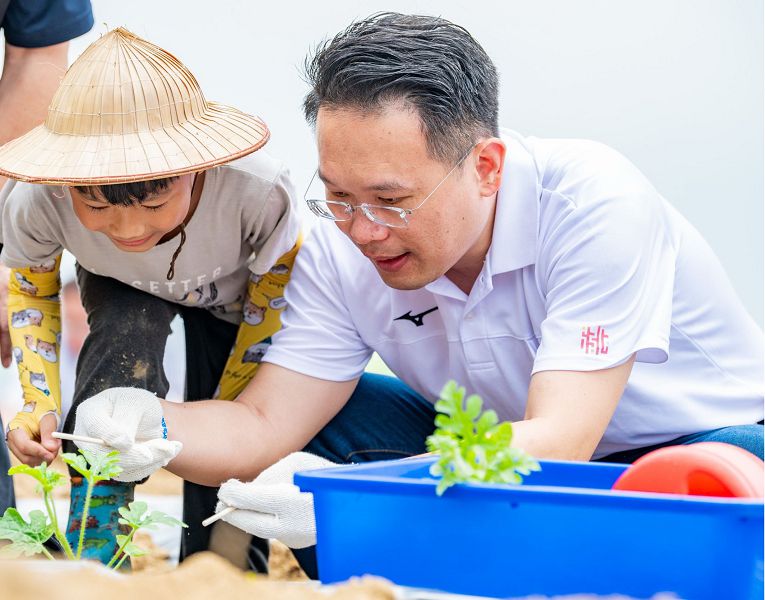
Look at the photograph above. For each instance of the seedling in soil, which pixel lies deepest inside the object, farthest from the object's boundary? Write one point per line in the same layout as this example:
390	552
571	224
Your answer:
472	445
28	537
33	534
136	517
94	468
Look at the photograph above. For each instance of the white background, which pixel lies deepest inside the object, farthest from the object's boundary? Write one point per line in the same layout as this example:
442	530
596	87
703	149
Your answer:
675	85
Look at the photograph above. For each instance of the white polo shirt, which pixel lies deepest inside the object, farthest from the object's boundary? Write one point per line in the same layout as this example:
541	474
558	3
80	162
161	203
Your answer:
588	265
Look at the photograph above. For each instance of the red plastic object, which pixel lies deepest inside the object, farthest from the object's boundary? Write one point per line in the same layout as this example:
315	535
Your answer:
703	469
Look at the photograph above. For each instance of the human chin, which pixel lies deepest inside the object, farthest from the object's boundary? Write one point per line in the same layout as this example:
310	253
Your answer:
409	277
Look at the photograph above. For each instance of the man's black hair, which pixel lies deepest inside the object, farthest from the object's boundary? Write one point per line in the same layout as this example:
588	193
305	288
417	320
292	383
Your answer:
432	65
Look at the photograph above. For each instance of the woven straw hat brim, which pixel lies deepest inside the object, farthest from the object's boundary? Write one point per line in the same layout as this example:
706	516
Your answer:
222	134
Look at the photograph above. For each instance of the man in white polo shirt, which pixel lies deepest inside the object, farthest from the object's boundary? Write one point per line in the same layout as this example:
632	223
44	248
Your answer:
548	276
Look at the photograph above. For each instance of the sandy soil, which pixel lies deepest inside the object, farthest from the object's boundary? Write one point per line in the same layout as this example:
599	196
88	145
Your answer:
202	576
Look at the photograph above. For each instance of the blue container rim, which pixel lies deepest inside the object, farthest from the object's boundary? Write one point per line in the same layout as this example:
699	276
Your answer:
375	477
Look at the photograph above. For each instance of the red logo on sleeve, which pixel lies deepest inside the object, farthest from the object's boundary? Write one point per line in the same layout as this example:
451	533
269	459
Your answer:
594	342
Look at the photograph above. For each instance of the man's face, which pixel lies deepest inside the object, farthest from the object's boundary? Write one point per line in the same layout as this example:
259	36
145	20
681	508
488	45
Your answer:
140	226
382	159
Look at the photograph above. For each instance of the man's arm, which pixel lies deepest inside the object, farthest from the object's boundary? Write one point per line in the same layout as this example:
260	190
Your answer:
30	78
279	412
568	411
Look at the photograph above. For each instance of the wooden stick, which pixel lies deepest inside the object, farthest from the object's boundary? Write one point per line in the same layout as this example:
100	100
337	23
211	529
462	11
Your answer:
78	438
210	520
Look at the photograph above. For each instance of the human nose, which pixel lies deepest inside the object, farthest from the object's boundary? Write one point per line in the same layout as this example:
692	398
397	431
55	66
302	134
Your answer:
126	225
362	230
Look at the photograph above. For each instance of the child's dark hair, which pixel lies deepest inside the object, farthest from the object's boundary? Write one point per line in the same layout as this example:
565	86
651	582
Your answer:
126	194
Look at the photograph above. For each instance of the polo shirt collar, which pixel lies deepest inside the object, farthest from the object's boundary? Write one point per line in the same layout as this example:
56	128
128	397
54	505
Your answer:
516	220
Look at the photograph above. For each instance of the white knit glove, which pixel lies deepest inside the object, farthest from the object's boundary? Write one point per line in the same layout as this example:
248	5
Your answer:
128	420
272	506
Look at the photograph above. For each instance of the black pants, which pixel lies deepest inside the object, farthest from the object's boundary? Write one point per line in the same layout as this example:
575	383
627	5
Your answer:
125	348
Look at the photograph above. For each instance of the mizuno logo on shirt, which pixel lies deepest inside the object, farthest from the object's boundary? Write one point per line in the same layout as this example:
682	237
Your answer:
416	319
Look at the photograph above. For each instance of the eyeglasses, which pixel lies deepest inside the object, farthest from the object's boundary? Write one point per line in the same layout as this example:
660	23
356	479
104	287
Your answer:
388	216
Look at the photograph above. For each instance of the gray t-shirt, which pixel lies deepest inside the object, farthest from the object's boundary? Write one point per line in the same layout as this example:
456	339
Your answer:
245	220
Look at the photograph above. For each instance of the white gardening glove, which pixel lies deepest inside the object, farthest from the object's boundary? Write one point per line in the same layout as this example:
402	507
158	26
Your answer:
272	506
129	420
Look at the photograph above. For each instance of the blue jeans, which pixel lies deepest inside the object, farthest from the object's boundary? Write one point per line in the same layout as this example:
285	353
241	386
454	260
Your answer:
385	419
748	437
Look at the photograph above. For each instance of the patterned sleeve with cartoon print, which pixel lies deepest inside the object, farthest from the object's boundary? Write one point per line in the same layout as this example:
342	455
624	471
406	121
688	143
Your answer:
262	318
34	313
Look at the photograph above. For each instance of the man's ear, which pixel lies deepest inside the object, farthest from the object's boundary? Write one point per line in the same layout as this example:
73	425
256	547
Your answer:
491	160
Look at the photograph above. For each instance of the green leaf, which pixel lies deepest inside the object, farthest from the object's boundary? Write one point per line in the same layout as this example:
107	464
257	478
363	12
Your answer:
46	478
26	538
473	407
94	466
77	462
135	516
129	548
132	549
133	513
103	466
472	445
157	517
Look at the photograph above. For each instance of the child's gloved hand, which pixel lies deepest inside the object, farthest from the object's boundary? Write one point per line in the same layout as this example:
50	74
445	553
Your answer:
272	506
129	420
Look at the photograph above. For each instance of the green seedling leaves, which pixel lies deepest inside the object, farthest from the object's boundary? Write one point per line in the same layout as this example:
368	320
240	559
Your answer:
129	547
472	445
135	515
27	537
157	517
95	466
77	462
132	514
46	478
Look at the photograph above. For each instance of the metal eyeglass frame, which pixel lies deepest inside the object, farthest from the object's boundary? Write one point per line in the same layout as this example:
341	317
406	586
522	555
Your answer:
368	209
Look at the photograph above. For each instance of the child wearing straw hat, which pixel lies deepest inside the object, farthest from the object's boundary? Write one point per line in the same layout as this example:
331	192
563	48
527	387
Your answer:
158	195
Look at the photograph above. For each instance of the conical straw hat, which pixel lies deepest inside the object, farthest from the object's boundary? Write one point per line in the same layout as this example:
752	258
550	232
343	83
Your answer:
127	110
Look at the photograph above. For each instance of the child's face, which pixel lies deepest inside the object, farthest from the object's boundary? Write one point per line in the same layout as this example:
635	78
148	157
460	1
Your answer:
140	226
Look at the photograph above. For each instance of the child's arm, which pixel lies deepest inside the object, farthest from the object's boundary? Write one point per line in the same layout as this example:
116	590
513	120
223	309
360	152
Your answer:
34	314
263	307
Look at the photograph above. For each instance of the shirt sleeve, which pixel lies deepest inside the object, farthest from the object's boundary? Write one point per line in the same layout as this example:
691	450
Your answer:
607	272
318	337
39	23
34	314
26	233
275	229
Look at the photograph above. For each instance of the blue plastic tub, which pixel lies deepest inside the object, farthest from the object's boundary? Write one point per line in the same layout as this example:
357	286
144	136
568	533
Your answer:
562	531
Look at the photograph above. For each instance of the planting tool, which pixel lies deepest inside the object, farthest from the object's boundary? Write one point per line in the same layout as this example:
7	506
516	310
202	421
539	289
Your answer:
78	438
217	516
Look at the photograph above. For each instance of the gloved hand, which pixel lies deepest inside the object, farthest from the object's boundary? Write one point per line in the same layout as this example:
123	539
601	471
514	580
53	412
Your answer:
272	506
129	420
